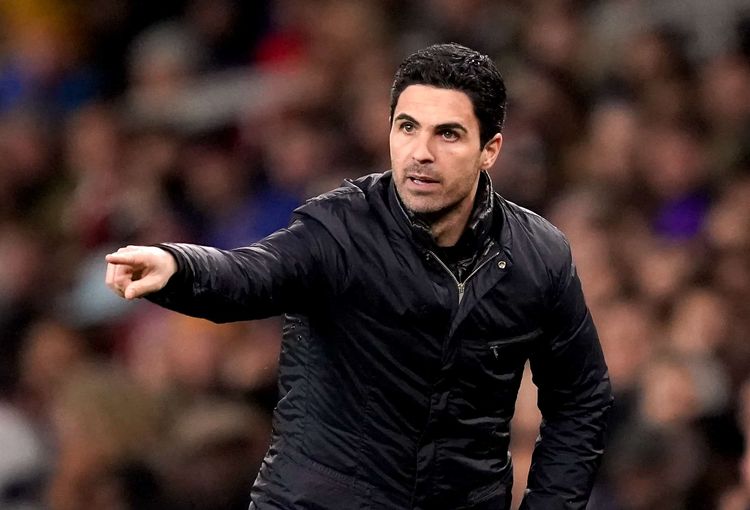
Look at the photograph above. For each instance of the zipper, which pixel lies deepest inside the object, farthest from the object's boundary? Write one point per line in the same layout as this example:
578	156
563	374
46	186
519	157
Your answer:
496	344
494	348
461	286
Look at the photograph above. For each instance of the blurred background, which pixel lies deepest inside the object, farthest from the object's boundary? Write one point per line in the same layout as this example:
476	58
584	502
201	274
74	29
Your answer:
208	121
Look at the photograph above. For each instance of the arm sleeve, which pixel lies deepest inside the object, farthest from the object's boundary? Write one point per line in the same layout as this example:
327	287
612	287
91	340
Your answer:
574	397
285	272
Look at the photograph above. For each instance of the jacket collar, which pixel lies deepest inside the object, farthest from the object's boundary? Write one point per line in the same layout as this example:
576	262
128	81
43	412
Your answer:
477	233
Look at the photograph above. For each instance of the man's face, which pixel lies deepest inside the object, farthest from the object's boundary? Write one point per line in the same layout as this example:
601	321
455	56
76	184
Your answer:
435	150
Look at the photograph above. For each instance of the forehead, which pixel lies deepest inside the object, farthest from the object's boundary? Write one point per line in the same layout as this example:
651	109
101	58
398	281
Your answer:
433	105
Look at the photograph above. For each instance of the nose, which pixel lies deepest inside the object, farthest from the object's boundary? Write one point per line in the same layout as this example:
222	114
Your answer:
422	151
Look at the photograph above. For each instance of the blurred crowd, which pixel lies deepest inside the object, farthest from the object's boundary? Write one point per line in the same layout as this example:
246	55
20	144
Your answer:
208	121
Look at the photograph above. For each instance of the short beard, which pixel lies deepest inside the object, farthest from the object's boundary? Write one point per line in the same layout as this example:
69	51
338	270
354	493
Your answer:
428	216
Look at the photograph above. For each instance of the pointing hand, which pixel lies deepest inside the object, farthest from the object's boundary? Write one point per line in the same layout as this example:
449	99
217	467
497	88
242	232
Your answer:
135	271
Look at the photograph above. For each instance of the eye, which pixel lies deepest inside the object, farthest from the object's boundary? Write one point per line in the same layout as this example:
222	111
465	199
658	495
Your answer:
407	127
449	135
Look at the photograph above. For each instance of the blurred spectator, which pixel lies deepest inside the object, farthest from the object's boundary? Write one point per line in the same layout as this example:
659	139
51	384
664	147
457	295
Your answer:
170	354
163	59
102	422
655	468
123	122
214	452
50	352
24	463
673	165
44	65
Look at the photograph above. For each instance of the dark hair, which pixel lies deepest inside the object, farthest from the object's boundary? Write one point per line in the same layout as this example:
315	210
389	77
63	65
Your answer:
452	66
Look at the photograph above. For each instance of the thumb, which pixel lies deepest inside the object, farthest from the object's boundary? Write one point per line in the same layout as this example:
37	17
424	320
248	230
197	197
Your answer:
145	285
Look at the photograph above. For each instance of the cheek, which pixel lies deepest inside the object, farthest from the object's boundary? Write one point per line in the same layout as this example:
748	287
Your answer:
396	150
463	179
464	167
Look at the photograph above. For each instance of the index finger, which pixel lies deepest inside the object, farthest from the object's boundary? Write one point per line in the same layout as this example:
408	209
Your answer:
121	258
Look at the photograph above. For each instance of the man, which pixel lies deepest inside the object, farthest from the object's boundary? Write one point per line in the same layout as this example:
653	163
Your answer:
413	299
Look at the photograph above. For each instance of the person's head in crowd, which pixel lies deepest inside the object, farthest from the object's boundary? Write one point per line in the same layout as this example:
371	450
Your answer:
661	270
162	58
728	223
553	35
653	467
608	151
628	331
101	420
51	350
676	390
725	94
699	322
653	55
215	447
673	162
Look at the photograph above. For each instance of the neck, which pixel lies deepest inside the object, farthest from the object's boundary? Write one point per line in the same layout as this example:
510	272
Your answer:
447	227
447	230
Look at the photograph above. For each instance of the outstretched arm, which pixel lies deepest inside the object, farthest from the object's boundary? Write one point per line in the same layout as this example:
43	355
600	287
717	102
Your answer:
291	269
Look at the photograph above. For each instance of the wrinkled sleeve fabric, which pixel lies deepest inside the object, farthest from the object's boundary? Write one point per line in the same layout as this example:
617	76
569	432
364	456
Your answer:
574	396
285	272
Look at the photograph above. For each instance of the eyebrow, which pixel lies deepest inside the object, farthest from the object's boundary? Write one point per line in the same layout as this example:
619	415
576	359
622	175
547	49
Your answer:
404	116
439	127
451	126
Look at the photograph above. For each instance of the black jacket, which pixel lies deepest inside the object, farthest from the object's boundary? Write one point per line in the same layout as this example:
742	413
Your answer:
398	382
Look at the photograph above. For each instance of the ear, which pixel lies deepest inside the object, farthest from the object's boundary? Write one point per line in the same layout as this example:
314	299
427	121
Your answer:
490	151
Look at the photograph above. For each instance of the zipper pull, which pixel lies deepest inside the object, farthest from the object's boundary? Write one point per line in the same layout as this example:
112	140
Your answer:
494	349
460	291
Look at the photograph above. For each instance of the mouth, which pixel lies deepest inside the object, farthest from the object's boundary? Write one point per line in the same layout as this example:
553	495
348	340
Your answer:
422	179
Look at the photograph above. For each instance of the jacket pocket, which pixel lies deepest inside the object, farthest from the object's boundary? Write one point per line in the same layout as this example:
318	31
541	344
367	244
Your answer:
515	343
493	364
299	482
